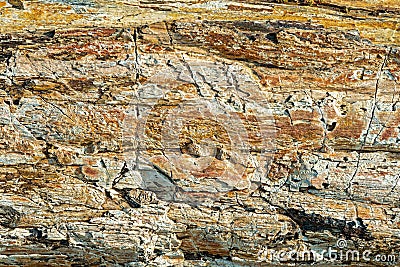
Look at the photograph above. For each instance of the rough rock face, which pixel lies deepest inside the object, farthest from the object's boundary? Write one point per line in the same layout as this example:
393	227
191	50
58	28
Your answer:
199	133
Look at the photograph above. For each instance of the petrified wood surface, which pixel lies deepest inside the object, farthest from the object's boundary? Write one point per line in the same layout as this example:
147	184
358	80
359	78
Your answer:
197	133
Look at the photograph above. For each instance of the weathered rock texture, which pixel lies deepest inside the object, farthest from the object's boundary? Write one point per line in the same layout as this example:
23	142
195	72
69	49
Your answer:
198	133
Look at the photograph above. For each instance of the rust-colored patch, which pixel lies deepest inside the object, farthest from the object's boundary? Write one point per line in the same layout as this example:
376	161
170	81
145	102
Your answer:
389	132
304	115
278	171
302	131
215	169
89	171
73	51
349	126
392	125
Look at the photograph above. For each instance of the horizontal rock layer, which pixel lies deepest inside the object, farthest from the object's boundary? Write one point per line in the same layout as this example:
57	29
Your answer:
197	133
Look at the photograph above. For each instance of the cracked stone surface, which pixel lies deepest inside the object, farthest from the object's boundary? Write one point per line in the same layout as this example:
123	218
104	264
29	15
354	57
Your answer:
198	133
